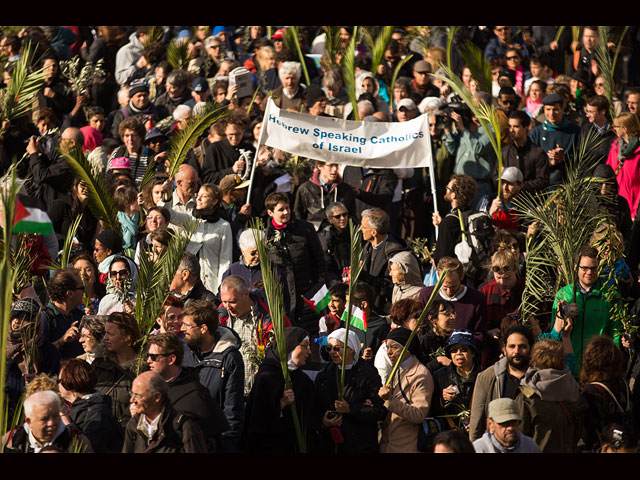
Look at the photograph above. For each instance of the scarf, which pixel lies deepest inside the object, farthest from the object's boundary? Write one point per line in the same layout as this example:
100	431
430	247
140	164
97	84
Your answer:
533	107
627	150
210	215
277	225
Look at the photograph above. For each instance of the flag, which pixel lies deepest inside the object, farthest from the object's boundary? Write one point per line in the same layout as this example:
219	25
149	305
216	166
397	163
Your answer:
320	300
31	219
358	318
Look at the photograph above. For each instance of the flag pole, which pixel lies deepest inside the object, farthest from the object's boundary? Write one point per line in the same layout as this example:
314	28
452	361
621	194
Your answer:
432	181
265	119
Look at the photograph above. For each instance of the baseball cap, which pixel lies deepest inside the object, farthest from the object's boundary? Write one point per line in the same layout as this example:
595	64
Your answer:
407	103
512	175
503	410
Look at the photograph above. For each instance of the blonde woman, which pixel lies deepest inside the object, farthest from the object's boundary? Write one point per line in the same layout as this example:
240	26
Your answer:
624	158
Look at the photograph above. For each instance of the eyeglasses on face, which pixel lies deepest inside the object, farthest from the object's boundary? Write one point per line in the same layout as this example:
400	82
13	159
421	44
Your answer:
155	356
499	269
588	269
333	348
459	349
340	215
119	273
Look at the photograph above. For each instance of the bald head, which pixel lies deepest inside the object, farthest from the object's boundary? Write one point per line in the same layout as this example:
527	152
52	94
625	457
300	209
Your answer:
187	180
71	138
148	393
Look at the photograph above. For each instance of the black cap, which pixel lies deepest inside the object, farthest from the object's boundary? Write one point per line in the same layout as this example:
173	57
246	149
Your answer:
552	99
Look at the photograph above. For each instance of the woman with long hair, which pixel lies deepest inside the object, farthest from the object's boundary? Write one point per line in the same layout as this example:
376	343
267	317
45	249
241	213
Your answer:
93	289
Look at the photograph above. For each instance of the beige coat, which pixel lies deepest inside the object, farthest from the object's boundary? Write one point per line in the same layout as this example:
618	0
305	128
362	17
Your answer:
400	428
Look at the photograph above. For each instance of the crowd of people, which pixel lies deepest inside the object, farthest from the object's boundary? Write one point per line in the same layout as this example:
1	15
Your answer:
451	367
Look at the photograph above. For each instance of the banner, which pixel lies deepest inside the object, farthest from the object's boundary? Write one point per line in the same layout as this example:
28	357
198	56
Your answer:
347	142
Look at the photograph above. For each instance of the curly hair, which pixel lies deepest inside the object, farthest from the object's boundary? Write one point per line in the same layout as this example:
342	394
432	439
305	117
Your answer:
601	362
63	281
404	309
465	188
76	375
131	123
548	353
127	325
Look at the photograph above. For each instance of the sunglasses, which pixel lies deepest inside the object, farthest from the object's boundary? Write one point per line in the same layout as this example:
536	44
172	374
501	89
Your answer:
155	356
498	269
332	348
119	273
513	57
340	215
459	349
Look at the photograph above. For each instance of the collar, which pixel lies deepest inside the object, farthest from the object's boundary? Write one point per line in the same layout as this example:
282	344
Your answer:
149	428
33	443
381	244
457	297
176	200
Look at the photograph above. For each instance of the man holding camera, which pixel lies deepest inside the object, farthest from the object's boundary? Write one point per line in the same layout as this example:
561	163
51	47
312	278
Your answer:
587	305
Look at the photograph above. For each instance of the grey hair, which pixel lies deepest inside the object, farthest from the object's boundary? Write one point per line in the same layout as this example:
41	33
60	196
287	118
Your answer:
378	219
44	397
181	112
332	206
290	68
123	92
247	239
179	78
191	263
368	106
234	282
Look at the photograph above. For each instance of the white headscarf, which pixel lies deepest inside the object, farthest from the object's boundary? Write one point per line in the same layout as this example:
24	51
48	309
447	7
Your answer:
353	342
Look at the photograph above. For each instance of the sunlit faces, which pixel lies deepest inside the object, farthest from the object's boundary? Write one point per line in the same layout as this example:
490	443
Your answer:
281	213
396	273
44	421
87	340
114	339
518	351
553	113
155	220
337	306
301	353
588	271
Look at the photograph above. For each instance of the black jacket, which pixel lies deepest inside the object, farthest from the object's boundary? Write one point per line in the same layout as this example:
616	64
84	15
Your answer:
200	292
92	416
376	186
531	160
442	378
188	395
337	251
360	426
219	158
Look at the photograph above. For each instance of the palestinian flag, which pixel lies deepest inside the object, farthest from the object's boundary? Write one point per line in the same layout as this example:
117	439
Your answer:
358	318
320	300
29	218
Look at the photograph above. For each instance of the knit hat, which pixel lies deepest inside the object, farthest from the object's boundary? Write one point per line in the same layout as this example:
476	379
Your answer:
120	162
111	240
26	308
353	342
138	86
401	335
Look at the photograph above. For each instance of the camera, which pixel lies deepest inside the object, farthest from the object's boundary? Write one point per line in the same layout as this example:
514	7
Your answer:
565	310
459	107
331	414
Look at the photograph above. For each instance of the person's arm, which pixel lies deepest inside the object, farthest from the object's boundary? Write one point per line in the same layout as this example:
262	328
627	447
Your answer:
419	392
233	407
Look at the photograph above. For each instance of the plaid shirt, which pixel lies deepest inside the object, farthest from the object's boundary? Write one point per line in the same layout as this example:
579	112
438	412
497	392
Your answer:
501	302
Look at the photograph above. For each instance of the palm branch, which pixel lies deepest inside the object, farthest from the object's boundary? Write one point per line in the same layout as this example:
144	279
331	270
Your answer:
100	201
333	44
184	140
275	300
178	54
355	234
477	64
154	280
17	98
155	33
293	43
377	46
396	72
349	72
559	33
9	187
414	332
450	40
79	77
605	65
65	254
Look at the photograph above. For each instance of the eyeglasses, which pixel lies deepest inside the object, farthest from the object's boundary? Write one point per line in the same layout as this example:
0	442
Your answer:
118	273
585	268
498	269
155	356
188	184
137	396
503	29
333	348
459	349
340	215
513	57
186	325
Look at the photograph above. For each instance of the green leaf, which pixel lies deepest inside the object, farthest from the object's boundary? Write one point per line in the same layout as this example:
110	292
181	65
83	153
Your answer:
349	73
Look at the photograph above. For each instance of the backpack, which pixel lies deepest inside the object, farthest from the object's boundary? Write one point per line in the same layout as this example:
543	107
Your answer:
479	230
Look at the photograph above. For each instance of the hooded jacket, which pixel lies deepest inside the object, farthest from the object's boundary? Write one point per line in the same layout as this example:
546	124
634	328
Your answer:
412	284
92	415
552	409
312	198
126	59
221	371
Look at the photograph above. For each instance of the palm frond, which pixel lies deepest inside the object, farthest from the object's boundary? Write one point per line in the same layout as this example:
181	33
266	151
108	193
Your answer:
100	201
155	34
178	54
80	77
184	140
275	300
421	319
477	63
559	33
605	65
17	98
450	40
333	44
293	44
65	254
618	47
396	72
349	72
355	269
377	46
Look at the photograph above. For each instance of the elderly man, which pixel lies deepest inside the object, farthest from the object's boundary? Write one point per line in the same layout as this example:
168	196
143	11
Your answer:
156	426
43	428
290	95
186	393
336	241
421	85
182	201
380	245
503	431
139	105
214	351
186	283
178	92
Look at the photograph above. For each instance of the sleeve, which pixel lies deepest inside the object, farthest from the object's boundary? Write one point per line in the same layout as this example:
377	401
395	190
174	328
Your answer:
420	396
48	171
541	166
226	251
234	394
125	65
376	411
479	402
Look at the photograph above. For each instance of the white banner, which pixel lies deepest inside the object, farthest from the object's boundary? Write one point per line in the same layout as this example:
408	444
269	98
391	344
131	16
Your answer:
347	142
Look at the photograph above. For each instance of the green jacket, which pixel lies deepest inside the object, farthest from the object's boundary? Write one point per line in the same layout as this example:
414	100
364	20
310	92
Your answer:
593	318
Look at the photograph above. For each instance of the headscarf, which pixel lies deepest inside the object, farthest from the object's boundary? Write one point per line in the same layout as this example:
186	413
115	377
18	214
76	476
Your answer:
353	342
294	336
401	335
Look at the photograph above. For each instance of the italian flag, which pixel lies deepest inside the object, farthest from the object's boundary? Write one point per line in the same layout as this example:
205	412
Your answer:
320	300
358	318
31	219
